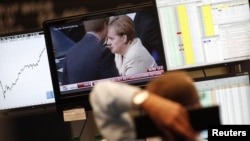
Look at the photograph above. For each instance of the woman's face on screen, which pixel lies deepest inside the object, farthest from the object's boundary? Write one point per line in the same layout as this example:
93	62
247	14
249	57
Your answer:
115	42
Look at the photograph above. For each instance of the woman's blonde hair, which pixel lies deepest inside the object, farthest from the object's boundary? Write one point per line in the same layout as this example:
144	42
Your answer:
123	25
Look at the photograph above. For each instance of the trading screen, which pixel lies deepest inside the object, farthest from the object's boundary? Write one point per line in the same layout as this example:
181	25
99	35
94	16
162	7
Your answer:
25	76
198	33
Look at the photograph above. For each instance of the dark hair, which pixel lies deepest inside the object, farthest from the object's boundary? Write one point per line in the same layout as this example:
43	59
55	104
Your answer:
177	86
95	25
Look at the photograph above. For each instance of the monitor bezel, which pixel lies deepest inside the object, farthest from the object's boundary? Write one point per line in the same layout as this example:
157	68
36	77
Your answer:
205	65
21	110
81	98
221	76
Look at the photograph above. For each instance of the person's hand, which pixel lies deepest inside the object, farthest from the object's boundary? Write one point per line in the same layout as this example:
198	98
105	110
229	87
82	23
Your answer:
169	116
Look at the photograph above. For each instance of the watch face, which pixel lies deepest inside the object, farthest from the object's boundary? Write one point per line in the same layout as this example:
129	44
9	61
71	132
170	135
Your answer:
140	97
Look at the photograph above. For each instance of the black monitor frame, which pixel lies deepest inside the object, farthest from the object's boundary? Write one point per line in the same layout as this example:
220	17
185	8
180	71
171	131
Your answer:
196	65
81	98
220	76
20	110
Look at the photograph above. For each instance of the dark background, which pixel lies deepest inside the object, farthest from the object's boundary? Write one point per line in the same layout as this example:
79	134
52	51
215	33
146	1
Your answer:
16	15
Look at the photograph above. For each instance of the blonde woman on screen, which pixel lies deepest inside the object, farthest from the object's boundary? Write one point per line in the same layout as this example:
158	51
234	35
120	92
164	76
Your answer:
131	56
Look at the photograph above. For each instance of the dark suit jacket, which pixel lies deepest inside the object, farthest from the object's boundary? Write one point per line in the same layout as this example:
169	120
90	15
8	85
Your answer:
88	60
146	27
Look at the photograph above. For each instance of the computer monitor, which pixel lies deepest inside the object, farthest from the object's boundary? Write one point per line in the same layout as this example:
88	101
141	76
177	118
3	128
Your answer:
231	93
202	33
62	36
25	80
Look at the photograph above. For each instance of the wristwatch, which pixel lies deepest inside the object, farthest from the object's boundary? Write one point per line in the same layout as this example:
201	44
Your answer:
140	97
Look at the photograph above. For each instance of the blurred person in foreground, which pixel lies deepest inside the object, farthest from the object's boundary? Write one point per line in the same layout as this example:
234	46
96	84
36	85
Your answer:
165	100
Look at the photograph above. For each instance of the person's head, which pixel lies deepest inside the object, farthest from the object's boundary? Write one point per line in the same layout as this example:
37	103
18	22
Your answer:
177	86
98	26
121	33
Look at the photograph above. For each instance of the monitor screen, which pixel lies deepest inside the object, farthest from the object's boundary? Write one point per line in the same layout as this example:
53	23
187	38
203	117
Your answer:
126	49
25	79
200	33
231	93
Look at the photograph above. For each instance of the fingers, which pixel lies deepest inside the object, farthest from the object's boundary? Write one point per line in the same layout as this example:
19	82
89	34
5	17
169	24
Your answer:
169	117
178	126
183	126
